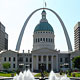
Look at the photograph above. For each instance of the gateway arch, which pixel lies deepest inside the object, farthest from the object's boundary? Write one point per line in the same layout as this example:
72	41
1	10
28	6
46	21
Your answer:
26	22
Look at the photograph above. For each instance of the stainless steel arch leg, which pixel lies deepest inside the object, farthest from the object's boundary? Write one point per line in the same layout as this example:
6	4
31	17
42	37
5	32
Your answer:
25	24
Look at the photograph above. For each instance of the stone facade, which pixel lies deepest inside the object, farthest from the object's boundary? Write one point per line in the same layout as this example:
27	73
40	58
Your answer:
64	61
43	52
10	57
43	39
46	56
52	60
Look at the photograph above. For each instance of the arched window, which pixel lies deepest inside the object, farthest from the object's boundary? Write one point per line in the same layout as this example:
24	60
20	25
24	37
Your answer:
36	39
43	32
44	39
49	39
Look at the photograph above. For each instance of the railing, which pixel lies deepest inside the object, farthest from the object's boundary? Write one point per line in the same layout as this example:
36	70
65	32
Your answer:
45	78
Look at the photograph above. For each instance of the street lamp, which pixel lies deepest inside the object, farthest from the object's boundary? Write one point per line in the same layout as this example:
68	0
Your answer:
42	71
27	66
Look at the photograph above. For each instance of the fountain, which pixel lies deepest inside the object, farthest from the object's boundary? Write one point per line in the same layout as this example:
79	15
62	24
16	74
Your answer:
54	77
27	75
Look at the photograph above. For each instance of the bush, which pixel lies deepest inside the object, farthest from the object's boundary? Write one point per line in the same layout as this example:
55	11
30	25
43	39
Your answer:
61	72
73	74
37	75
17	71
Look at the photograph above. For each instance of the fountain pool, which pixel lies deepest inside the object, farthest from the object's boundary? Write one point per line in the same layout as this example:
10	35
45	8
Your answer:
27	75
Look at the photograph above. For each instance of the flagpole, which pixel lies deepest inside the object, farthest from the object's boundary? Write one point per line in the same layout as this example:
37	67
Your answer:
43	4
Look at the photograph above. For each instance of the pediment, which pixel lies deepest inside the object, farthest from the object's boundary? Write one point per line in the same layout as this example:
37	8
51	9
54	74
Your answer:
45	50
9	52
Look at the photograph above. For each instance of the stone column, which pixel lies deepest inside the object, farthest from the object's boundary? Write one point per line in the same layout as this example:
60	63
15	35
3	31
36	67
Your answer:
47	62
71	64
52	62
41	58
57	67
63	61
37	62
32	62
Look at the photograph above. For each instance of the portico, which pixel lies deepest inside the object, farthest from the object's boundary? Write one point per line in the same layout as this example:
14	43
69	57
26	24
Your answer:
48	58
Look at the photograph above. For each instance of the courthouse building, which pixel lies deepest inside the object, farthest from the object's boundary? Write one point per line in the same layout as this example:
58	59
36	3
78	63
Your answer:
43	52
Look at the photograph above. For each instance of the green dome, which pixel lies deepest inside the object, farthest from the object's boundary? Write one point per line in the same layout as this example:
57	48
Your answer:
43	26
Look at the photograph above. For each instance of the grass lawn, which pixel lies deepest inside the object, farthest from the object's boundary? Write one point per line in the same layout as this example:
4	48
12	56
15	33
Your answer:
46	74
74	74
7	74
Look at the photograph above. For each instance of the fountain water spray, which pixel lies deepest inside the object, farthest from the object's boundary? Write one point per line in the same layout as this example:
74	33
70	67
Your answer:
27	75
54	77
64	78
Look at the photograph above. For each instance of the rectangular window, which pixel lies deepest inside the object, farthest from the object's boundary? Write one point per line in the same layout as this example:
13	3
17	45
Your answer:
49	58
40	39
21	59
60	59
46	39
66	60
49	66
21	66
30	59
13	65
4	58
66	66
44	58
26	59
39	58
14	59
9	58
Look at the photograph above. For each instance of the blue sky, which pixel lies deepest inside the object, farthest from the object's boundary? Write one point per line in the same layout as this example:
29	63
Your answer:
13	14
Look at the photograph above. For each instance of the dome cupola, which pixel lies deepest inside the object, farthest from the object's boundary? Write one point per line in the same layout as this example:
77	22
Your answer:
43	14
43	36
43	25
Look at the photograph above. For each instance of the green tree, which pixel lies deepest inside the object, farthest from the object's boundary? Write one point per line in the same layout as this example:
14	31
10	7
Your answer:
6	65
76	62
